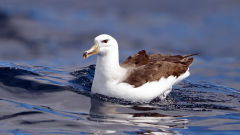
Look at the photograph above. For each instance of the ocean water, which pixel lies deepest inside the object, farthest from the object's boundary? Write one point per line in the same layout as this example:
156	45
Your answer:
45	85
38	101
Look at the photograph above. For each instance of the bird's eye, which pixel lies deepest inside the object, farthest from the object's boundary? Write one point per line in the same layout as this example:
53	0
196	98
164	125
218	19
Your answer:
105	41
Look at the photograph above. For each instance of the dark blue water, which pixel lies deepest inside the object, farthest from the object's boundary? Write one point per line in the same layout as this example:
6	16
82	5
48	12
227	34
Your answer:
45	83
40	100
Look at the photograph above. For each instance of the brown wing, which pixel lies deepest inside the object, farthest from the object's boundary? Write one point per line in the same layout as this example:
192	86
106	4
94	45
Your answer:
147	68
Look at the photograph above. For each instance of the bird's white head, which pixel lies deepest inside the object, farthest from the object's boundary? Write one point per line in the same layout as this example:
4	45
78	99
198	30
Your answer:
102	45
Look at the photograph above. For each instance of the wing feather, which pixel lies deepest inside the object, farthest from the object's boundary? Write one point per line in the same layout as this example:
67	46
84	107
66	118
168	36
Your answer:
147	68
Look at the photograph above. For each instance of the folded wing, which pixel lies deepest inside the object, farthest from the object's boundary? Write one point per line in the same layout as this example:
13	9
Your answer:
143	68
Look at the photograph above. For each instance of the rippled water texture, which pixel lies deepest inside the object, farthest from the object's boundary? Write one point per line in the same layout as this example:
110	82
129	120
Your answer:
40	100
45	84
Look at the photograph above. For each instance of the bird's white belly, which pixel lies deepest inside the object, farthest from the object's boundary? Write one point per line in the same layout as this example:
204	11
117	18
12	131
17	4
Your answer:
144	93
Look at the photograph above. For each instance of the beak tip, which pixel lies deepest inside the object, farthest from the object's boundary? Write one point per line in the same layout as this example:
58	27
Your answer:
93	50
85	55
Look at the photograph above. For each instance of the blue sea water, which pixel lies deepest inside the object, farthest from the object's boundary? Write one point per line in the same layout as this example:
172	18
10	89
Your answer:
45	85
40	100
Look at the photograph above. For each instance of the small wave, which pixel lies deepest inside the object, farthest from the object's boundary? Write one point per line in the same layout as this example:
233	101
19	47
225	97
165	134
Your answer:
186	95
63	98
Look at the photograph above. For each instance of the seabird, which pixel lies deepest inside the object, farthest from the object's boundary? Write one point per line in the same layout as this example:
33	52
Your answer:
141	77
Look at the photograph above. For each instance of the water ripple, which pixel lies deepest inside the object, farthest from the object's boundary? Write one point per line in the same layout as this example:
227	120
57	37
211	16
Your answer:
56	98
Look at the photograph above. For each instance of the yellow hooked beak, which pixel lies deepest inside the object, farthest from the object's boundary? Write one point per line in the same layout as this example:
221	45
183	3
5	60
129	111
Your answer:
93	50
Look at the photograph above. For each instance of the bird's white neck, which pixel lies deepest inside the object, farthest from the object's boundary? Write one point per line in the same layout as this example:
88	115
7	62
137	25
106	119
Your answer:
107	67
109	59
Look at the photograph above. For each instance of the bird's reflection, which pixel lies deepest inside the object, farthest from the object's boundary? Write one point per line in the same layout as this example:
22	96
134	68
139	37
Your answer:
138	115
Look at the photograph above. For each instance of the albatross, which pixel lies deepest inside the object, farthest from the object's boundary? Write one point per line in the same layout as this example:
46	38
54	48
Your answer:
141	77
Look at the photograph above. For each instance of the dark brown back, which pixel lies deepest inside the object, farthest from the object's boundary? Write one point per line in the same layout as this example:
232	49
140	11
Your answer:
147	68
